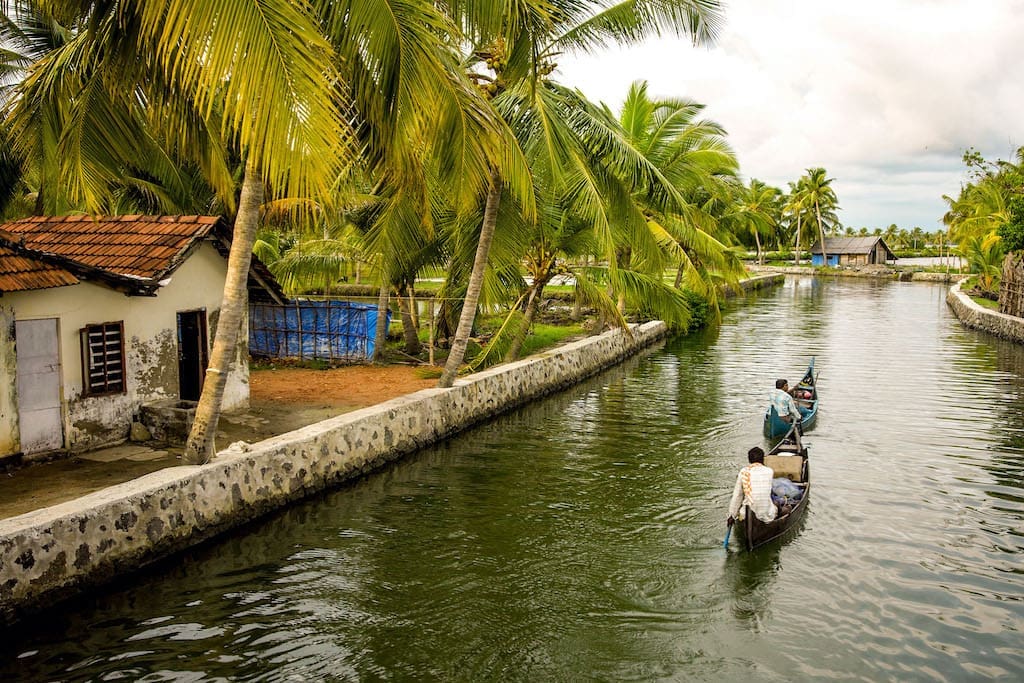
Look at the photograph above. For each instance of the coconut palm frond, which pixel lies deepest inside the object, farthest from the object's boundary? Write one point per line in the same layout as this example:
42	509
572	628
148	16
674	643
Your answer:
591	290
230	55
632	21
652	297
501	341
316	265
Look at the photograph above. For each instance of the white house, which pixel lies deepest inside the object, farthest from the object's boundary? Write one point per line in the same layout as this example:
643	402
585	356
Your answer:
101	315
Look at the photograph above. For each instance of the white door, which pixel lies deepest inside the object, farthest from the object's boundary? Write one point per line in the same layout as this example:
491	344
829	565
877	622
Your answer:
39	418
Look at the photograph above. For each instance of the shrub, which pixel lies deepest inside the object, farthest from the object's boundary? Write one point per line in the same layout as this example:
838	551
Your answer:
1012	233
699	310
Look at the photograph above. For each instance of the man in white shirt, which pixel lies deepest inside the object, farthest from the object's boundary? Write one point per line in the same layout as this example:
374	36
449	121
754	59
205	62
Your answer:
753	489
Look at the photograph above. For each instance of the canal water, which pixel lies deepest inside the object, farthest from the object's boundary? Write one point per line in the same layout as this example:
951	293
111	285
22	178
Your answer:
580	538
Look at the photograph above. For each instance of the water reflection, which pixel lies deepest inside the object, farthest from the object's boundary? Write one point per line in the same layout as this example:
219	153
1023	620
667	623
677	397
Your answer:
580	538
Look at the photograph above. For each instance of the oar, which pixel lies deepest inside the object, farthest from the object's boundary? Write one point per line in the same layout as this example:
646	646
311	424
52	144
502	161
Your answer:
725	543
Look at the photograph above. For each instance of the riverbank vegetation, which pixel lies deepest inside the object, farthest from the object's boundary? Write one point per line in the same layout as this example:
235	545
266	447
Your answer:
409	136
986	219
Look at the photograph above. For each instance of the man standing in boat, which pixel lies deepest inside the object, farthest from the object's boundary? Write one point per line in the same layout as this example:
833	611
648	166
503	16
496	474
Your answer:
753	489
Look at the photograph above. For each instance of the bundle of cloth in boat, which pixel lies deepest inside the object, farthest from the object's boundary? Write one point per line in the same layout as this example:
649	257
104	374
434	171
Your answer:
785	494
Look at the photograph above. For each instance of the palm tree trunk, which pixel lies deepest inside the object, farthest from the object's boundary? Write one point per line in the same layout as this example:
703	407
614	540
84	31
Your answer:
476	284
532	303
757	241
413	309
381	333
625	259
821	235
796	247
577	301
200	445
410	330
679	276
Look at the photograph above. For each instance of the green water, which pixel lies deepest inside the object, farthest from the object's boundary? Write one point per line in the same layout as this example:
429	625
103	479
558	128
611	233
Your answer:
580	538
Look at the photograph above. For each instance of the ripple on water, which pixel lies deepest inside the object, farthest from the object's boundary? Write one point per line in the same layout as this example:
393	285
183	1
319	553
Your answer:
581	538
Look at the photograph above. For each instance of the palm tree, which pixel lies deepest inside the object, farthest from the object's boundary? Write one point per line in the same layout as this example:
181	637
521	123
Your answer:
818	192
133	74
795	206
693	157
984	256
519	50
654	154
890	235
754	211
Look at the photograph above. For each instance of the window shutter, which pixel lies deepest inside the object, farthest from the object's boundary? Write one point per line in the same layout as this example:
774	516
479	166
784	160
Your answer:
103	364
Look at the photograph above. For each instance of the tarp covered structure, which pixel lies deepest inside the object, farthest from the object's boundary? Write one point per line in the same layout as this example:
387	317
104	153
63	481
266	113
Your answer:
328	330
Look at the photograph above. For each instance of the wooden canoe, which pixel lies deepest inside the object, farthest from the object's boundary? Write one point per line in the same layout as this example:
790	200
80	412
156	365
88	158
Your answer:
787	459
775	426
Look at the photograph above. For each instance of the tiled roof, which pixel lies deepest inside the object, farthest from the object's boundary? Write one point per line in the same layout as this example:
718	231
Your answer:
132	254
19	272
849	245
144	247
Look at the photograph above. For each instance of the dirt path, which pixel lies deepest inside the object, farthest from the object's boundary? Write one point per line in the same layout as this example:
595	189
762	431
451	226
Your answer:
357	386
281	399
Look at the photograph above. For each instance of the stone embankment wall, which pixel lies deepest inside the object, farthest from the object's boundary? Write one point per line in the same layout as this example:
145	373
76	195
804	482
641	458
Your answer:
978	317
755	282
878	272
57	551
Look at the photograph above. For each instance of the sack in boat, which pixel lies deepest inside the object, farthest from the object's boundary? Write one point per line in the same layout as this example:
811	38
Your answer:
785	491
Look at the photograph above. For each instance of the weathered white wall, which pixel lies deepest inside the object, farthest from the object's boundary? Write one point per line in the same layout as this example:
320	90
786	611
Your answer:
8	384
151	346
54	552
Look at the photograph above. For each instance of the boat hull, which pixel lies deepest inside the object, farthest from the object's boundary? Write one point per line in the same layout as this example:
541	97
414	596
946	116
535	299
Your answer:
756	533
753	532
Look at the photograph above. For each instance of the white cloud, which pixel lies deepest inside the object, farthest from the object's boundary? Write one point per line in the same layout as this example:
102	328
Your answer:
886	95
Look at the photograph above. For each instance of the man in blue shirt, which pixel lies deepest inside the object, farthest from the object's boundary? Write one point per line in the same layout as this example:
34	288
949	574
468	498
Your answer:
783	402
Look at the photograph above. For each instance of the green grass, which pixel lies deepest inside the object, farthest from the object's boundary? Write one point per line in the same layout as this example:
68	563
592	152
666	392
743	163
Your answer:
986	303
969	286
562	289
547	336
258	364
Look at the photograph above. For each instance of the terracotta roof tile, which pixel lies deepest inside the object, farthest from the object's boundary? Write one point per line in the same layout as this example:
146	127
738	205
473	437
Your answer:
19	273
136	246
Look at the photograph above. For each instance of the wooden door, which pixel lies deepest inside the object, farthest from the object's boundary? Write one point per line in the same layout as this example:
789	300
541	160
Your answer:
39	412
192	354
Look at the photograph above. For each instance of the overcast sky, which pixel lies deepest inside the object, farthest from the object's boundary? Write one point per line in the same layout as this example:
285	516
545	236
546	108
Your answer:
884	94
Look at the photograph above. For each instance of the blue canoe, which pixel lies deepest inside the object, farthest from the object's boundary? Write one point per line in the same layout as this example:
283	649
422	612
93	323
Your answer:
775	426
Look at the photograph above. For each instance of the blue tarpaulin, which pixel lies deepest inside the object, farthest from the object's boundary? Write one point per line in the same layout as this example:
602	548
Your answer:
306	329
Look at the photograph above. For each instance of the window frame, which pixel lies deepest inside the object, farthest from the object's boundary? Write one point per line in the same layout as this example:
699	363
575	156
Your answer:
107	388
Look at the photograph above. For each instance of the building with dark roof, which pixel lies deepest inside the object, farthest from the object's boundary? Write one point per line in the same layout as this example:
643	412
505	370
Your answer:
100	315
852	251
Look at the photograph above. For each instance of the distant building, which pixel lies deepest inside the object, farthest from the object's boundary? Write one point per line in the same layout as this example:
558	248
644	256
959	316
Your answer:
101	315
852	251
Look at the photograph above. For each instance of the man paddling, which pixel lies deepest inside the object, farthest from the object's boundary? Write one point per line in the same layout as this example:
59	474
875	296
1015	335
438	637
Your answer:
753	489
